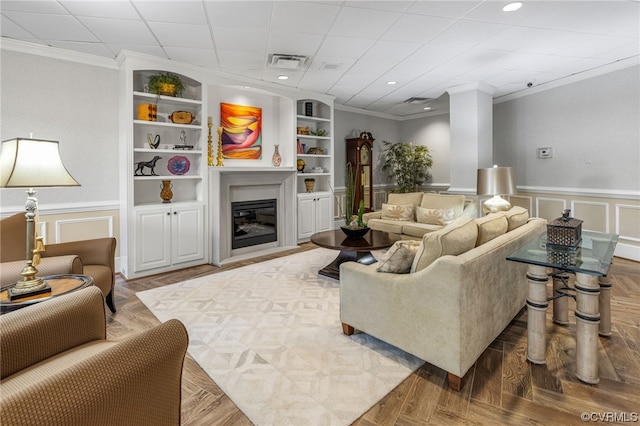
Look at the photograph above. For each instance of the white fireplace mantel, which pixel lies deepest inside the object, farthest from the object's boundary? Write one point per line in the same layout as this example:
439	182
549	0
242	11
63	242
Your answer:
227	184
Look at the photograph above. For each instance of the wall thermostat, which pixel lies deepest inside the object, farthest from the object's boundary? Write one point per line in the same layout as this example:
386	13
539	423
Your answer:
545	153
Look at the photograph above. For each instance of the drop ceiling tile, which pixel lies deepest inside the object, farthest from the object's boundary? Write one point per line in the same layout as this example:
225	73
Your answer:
51	27
370	67
240	39
491	11
184	12
97	49
331	64
319	81
13	30
345	47
431	56
626	51
39	6
482	73
271	75
391	50
403	73
202	57
294	44
303	17
416	28
595	45
389	6
533	40
447	9
467	33
585	17
101	9
352	22
119	30
520	60
182	35
235	59
239	14
576	66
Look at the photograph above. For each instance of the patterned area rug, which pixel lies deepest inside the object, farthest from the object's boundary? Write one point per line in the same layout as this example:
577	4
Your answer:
269	335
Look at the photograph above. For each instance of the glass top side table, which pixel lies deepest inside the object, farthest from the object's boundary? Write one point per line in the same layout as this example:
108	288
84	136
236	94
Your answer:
590	263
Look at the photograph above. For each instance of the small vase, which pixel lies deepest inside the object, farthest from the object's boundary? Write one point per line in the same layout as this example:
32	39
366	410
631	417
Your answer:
300	165
166	194
276	159
309	184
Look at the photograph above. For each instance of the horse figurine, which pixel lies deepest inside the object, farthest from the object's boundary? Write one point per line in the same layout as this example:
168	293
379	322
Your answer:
150	164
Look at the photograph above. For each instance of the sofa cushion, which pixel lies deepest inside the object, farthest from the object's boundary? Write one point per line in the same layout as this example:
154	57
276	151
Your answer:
398	211
384	225
516	217
399	258
435	216
490	226
444	201
405	198
414	229
454	239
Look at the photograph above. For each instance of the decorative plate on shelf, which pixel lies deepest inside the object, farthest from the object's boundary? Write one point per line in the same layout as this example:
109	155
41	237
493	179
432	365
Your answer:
178	165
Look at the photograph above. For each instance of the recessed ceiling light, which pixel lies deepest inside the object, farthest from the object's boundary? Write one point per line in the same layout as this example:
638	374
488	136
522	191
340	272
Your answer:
427	108
512	7
391	83
283	77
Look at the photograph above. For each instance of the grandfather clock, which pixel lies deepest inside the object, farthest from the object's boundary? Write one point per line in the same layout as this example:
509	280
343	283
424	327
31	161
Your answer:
360	155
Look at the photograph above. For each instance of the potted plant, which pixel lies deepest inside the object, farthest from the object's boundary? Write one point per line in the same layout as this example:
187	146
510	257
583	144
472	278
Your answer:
166	83
407	163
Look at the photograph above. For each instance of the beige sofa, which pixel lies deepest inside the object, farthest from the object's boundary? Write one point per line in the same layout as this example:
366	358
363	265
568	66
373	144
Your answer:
411	215
459	296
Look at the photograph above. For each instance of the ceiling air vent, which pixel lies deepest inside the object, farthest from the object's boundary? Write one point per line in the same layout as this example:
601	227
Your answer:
417	101
287	62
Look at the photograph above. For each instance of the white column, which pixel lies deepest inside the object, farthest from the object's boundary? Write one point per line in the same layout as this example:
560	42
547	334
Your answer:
587	324
471	129
537	314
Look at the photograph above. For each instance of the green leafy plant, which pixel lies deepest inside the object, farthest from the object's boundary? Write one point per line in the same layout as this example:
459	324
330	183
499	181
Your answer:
407	163
157	82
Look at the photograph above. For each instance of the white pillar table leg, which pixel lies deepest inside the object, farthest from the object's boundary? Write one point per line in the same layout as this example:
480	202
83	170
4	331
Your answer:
561	304
587	324
605	306
536	313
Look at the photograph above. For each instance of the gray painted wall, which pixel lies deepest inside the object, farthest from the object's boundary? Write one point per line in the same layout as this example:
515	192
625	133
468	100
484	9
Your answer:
592	125
70	102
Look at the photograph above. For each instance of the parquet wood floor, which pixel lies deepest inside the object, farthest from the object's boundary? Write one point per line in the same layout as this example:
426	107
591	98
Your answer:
501	388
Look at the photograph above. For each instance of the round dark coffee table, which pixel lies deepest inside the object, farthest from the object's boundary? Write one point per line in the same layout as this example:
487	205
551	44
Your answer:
351	249
60	284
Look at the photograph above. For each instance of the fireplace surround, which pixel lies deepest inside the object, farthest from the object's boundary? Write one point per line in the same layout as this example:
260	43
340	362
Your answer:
229	185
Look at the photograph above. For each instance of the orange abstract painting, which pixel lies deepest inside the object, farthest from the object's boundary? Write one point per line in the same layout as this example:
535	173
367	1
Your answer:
241	132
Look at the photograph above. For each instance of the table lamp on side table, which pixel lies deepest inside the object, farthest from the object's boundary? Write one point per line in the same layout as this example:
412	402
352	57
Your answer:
496	181
32	163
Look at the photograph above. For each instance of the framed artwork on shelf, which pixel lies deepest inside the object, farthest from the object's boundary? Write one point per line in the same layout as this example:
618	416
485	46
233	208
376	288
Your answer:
241	131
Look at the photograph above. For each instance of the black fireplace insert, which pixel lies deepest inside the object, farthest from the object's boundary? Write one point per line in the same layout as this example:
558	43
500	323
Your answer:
254	222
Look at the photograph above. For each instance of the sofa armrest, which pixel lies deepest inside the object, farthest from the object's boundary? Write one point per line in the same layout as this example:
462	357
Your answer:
136	381
57	265
371	215
99	251
32	334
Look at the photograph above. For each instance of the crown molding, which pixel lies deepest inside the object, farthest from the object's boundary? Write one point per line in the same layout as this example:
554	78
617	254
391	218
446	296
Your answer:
57	53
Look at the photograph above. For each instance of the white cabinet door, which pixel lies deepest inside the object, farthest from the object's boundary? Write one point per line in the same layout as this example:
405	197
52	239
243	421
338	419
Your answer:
152	238
306	216
187	234
324	213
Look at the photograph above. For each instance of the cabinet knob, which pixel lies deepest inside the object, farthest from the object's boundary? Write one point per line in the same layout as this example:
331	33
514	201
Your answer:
175	212
168	213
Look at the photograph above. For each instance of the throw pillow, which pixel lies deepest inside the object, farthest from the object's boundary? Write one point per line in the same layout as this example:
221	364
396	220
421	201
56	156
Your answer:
399	258
398	211
454	239
443	201
516	216
490	227
435	216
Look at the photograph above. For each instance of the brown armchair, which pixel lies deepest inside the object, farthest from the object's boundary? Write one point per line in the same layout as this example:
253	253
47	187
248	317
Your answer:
58	368
97	256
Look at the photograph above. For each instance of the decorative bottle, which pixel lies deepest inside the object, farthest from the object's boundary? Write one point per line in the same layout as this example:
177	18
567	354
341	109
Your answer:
276	159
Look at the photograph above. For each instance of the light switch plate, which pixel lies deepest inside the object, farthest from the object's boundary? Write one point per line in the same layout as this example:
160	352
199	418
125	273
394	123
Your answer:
545	153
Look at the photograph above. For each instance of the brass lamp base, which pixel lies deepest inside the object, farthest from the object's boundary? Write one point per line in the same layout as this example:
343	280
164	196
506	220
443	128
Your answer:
24	289
495	204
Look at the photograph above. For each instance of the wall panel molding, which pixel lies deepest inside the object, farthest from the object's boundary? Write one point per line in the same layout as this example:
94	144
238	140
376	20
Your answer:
601	225
81	226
